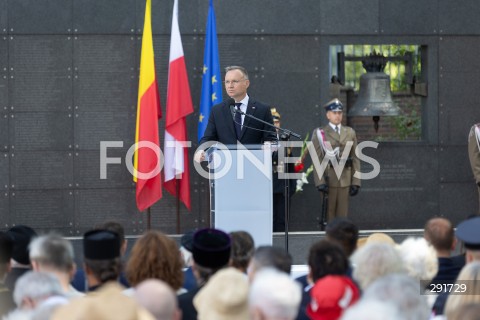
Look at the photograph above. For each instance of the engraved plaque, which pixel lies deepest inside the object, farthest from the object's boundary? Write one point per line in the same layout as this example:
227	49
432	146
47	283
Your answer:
92	16
4	173
31	16
93	127
41	92
4	210
41	170
42	209
3	16
104	54
404	194
332	10
42	53
94	206
111	91
4	142
87	170
41	131
3	54
422	17
3	92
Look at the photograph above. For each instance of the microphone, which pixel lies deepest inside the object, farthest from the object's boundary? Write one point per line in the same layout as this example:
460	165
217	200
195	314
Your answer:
231	103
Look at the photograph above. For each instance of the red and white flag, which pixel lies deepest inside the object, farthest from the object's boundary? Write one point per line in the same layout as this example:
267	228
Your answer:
179	105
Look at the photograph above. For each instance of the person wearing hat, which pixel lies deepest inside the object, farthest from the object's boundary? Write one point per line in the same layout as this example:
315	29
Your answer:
330	296
278	183
330	142
101	251
210	252
474	155
21	236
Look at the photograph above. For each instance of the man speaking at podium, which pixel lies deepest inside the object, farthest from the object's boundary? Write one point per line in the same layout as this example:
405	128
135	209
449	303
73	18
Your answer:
228	124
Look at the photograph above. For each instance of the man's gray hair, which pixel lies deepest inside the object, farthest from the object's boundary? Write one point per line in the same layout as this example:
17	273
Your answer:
36	286
53	251
275	294
241	69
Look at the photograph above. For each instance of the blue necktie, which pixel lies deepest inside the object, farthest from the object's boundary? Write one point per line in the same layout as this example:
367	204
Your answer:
238	120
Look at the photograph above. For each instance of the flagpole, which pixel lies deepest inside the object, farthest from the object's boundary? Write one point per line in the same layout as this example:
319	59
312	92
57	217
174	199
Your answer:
178	207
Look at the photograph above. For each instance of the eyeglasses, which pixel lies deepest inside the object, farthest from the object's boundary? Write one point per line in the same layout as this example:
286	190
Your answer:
234	82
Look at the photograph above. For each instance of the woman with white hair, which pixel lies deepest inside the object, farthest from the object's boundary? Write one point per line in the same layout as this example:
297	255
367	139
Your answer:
373	261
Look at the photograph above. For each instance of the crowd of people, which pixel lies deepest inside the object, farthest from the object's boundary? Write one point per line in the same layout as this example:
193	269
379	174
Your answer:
214	275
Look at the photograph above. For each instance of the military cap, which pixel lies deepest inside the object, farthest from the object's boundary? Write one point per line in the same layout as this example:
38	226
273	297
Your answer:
333	105
211	248
21	236
101	245
275	114
468	232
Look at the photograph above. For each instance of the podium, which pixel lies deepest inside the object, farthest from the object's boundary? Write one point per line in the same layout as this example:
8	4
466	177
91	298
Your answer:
241	190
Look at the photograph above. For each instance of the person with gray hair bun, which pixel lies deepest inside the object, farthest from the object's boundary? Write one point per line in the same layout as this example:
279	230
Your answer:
373	261
53	253
274	296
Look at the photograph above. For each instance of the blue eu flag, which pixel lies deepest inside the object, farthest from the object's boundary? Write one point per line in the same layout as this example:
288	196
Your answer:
211	82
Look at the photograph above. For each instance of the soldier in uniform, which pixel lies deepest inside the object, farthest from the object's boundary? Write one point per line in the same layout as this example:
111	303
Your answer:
474	154
330	141
279	184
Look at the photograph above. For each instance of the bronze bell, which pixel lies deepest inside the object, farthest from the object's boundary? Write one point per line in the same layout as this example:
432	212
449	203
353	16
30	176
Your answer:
374	97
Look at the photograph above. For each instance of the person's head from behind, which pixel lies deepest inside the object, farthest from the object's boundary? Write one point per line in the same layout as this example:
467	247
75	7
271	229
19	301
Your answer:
101	251
224	296
158	298
34	287
419	258
326	257
52	253
155	256
236	82
467	232
440	234
211	252
345	232
375	260
403	292
274	295
331	296
21	236
269	256
117	228
243	247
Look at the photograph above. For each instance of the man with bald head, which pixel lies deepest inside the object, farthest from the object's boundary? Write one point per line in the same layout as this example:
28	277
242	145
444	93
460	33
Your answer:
440	234
158	298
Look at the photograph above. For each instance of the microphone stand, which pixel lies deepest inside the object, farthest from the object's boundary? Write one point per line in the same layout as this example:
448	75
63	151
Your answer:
284	136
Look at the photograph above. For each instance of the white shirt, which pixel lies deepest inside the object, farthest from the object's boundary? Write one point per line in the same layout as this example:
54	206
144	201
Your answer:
243	107
333	127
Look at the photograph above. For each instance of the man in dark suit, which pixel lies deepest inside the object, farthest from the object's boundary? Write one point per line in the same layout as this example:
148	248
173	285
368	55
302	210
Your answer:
227	128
